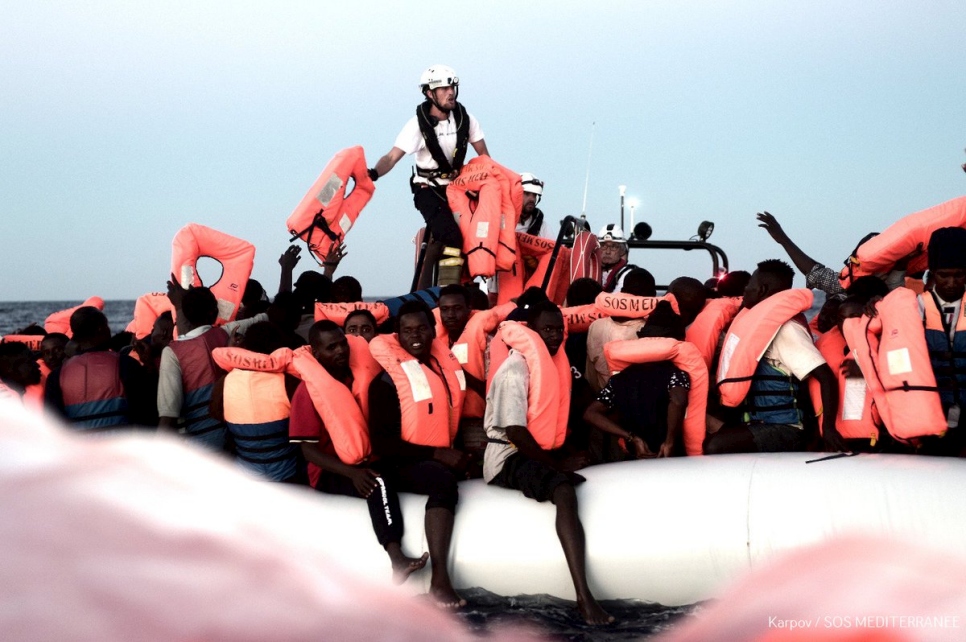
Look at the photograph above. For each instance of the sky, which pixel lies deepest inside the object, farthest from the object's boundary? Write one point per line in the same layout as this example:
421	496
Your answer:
120	122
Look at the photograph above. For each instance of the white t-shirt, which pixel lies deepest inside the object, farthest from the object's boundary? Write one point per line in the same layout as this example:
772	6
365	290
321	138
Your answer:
410	140
793	352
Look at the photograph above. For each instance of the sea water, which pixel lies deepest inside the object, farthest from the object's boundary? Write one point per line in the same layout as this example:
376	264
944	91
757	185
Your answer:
557	618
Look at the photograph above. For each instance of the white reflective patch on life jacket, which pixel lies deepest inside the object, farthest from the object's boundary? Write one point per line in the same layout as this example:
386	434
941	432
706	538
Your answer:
332	187
899	362
462	352
225	309
187	276
727	351
418	382
461	378
345	223
482	229
854	402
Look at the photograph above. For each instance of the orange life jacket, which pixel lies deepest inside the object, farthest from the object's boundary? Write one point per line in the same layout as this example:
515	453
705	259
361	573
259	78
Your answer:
749	336
620	354
512	190
548	399
429	401
891	352
337	312
579	317
857	416
907	235
513	282
32	341
344	412
60	321
476	197
325	214
470	349
257	409
707	327
236	256
147	309
618	304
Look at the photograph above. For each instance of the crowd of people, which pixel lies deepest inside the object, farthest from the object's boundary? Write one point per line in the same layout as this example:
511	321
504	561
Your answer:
370	405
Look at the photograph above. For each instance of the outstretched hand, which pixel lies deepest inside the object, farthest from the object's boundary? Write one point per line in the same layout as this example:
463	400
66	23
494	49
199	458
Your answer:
770	224
290	257
335	255
175	291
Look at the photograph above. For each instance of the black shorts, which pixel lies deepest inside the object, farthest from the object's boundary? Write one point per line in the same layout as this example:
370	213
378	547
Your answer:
777	438
535	480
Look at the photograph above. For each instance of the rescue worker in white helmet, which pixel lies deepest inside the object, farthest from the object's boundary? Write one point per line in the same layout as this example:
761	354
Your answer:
531	219
613	257
438	135
531	222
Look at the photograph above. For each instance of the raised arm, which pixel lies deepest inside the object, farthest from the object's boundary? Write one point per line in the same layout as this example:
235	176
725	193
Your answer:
801	260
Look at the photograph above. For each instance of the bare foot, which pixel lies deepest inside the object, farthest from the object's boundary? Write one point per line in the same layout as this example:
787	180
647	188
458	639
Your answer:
446	598
592	612
403	567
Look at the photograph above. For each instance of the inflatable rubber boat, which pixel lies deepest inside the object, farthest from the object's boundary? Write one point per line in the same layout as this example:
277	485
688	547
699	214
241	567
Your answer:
675	531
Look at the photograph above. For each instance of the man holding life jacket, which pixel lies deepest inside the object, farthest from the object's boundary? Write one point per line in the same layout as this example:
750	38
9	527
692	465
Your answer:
613	257
944	317
328	423
187	373
772	420
438	134
98	389
526	420
645	403
413	418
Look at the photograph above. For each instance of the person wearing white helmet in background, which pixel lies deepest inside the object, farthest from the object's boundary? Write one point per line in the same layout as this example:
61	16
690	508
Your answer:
438	135
613	257
531	222
531	218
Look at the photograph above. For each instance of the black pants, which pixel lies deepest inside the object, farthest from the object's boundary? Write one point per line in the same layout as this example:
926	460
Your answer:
384	511
428	478
440	224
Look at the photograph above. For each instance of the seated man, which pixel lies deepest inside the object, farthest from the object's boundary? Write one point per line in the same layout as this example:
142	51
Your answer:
613	258
186	373
412	433
98	389
638	282
645	403
944	317
253	399
772	420
515	459
327	412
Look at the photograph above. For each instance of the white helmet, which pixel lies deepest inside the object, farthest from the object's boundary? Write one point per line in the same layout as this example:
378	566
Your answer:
438	76
612	233
532	184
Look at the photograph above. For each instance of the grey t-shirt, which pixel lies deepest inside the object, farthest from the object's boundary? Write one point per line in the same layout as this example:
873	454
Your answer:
506	405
